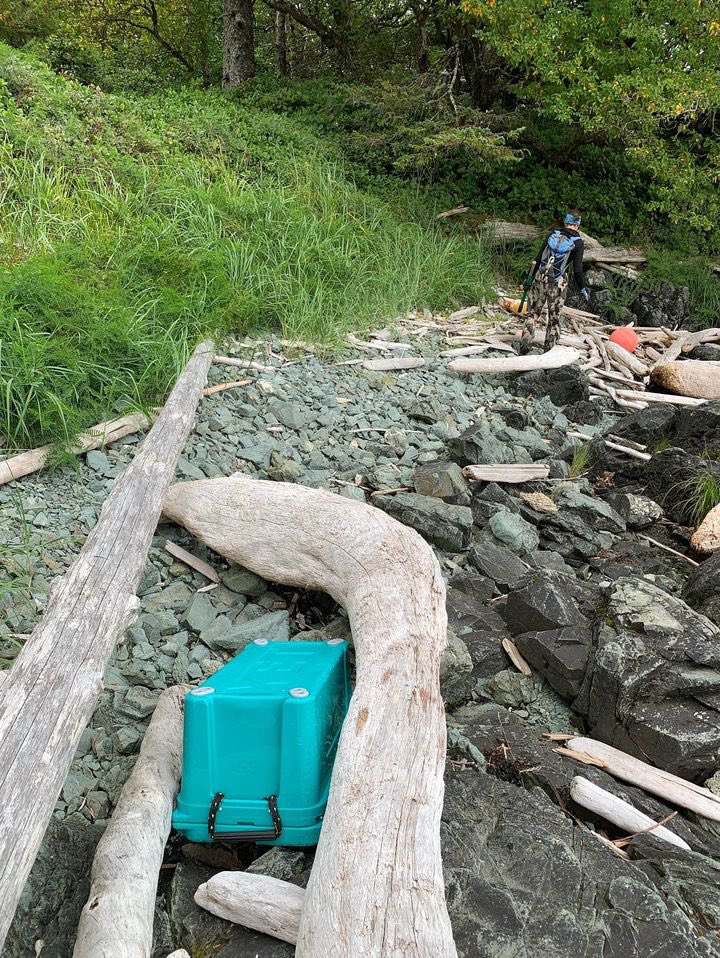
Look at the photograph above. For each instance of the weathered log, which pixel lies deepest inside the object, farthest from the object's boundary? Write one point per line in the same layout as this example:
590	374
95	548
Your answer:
507	473
688	377
377	882
619	812
118	916
101	435
706	538
264	904
619	355
500	231
685	342
648	397
671	788
388	365
51	691
555	358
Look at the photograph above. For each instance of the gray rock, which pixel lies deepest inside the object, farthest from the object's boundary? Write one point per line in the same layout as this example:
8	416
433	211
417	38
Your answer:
544	601
456	667
98	462
139	702
446	526
243	581
77	783
176	596
514	531
562	386
126	740
561	655
497	563
639	512
54	895
591	510
291	415
480	444
442	480
98	805
662	305
275	626
702	589
282	863
201	613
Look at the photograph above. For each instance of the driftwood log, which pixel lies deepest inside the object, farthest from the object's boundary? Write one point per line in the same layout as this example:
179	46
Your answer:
619	812
512	473
706	538
389	365
101	435
671	788
118	916
688	377
49	695
264	904
376	888
500	231
553	359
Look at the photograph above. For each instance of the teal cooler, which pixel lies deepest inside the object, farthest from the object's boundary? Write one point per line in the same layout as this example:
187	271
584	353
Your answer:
260	738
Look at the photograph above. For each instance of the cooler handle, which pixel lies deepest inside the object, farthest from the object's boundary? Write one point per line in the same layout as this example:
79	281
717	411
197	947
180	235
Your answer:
258	834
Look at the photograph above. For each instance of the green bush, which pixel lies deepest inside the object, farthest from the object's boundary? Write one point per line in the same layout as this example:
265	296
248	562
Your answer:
133	226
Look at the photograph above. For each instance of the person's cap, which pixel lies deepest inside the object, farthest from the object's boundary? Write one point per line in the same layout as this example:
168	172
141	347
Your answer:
571	219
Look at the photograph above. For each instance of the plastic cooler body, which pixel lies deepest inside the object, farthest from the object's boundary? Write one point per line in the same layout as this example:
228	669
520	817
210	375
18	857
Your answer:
266	724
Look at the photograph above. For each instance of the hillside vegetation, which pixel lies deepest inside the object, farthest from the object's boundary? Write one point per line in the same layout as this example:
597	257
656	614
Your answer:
132	225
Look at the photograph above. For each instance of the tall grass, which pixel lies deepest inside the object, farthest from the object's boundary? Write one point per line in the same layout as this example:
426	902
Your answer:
132	227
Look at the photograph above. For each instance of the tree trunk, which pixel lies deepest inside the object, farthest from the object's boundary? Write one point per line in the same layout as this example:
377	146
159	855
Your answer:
49	695
118	917
376	887
238	41
281	43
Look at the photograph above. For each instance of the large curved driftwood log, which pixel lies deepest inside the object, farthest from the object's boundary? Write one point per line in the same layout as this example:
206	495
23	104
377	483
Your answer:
260	902
376	888
118	916
51	690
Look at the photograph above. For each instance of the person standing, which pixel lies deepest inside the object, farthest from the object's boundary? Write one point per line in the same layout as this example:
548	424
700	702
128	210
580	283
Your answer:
549	280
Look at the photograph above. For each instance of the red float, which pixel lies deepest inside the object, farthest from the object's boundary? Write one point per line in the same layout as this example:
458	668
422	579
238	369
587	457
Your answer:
626	337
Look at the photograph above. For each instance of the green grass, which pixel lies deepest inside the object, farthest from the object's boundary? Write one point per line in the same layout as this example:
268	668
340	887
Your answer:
697	495
580	461
133	226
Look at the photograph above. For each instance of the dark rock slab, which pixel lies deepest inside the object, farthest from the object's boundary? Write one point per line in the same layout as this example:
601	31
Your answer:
702	589
468	614
546	600
478	587
561	655
479	444
562	386
446	526
54	895
443	480
663	305
498	563
648	426
698	428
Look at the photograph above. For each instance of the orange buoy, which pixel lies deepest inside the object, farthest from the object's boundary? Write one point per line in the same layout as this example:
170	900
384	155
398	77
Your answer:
626	337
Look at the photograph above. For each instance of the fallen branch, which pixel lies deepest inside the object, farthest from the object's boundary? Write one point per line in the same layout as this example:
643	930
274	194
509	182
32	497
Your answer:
553	359
668	787
619	812
101	435
515	657
192	561
243	364
49	696
211	390
388	365
118	916
661	545
268	905
648	397
388	774
624	358
454	212
510	473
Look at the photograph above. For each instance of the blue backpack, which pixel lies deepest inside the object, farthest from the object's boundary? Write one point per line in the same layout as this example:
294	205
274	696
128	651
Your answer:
556	255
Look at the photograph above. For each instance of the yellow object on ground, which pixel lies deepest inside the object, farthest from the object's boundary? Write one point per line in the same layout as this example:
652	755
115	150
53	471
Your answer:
513	305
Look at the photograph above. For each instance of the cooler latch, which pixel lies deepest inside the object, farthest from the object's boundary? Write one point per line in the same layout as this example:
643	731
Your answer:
253	835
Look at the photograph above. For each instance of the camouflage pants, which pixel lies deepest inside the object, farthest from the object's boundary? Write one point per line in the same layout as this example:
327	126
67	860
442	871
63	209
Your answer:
544	291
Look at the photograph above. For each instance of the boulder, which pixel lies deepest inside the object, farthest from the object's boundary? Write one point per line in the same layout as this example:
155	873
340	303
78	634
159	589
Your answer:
487	499
702	589
639	512
456	666
469	614
561	655
446	526
442	480
662	305
274	626
688	377
55	892
478	587
648	426
480	445
497	563
592	510
706	538
548	600
514	531
562	386
653	689
668	478
698	429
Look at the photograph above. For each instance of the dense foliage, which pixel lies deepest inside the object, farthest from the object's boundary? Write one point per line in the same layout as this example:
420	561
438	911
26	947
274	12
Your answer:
133	225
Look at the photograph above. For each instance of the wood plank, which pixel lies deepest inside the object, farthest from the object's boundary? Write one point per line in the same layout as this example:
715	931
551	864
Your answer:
50	693
390	365
670	788
192	561
510	473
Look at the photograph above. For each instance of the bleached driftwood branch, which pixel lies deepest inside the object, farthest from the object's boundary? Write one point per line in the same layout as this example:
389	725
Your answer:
264	904
376	887
118	916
